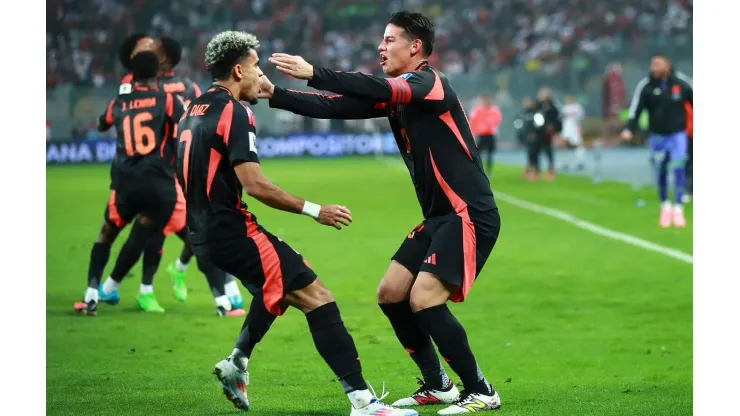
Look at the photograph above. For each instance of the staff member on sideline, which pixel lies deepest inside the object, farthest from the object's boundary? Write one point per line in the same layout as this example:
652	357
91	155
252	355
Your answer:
485	120
663	94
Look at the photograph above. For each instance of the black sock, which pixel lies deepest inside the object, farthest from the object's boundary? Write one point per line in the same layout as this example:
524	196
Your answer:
132	249
216	277
417	343
255	326
490	163
452	342
187	251
336	346
99	256
152	258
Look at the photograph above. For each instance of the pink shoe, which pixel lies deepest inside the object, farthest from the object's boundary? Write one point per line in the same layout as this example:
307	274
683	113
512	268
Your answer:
665	217
678	219
550	176
221	311
236	312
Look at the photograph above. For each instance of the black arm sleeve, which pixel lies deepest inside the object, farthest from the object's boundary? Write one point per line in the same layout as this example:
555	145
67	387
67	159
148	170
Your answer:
105	121
412	86
318	105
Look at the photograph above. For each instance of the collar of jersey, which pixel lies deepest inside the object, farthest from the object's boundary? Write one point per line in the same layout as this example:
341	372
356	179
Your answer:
139	87
219	87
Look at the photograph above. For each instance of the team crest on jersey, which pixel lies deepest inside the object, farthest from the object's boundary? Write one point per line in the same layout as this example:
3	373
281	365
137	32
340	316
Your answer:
124	89
676	92
406	76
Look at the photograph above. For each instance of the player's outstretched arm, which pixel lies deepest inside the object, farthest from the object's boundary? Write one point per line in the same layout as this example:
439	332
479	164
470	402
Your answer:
258	186
412	86
317	105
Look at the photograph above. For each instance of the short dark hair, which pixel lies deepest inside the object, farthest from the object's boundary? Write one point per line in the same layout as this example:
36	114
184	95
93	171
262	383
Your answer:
661	55
172	50
416	26
127	47
145	65
226	50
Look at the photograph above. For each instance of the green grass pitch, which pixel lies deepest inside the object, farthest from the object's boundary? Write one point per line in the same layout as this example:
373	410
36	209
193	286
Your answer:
562	321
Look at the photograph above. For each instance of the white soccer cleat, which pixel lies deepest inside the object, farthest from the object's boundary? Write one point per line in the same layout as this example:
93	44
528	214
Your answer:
425	396
377	408
234	382
471	403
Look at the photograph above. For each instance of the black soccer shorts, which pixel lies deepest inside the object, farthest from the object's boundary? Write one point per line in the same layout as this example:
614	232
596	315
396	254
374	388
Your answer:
452	247
487	143
264	263
153	198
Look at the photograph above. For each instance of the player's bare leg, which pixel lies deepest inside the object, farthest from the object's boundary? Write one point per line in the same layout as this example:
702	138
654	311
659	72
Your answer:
429	297
98	259
393	298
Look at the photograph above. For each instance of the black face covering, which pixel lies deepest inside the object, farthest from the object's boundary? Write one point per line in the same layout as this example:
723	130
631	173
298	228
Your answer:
145	65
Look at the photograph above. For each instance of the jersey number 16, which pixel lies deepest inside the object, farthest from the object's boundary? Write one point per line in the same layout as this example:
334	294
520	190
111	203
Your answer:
143	140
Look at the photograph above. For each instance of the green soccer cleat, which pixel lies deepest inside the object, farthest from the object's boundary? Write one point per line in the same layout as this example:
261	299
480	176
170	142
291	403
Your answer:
148	303
178	278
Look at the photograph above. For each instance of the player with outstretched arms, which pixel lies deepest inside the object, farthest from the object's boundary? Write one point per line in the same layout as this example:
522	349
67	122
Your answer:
441	257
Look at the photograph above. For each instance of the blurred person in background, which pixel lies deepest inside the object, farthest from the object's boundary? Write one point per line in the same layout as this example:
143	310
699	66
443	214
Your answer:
690	153
573	114
613	99
485	120
663	93
527	136
170	53
549	111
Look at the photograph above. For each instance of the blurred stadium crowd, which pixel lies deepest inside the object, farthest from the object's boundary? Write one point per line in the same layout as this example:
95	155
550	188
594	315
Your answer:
472	35
507	49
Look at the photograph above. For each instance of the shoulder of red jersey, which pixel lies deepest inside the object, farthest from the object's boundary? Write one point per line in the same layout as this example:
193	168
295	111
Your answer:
250	113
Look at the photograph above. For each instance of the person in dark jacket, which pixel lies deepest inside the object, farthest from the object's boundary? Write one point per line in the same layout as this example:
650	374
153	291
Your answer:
546	133
663	94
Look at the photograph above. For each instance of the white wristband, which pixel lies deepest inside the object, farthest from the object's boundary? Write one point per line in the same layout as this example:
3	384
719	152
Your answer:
311	209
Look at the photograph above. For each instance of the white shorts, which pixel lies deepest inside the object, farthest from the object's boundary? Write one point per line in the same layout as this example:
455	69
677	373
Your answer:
573	136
